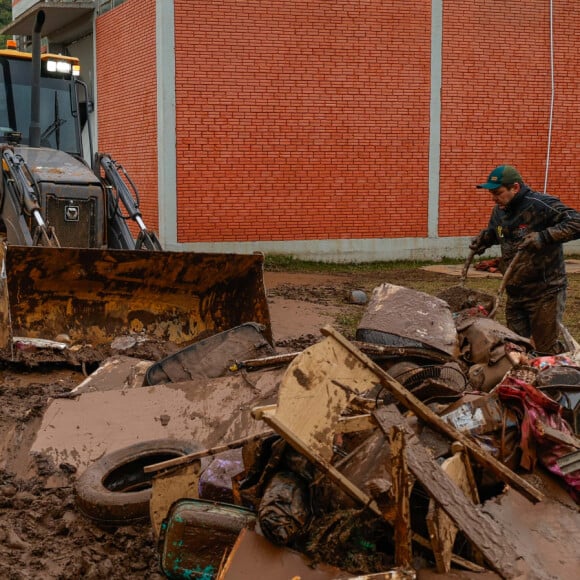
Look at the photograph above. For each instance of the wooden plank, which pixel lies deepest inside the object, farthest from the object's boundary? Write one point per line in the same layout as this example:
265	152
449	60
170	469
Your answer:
556	435
265	361
441	528
397	574
168	488
423	412
355	424
253	556
569	463
458	449
481	530
455	559
401	491
191	457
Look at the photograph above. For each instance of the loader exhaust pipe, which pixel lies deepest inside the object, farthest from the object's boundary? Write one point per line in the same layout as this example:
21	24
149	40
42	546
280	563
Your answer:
34	131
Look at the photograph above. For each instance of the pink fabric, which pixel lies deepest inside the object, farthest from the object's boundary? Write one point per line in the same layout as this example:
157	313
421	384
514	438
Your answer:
542	362
534	406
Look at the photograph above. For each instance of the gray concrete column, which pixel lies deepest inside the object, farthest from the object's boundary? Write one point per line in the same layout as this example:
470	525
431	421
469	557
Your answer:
435	117
166	133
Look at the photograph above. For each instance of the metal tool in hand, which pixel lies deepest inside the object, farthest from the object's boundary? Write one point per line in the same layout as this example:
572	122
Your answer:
506	276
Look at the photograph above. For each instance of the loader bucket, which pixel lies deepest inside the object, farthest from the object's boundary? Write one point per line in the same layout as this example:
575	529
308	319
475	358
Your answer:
94	296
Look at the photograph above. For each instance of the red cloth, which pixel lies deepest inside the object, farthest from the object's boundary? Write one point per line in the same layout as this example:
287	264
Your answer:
488	265
534	407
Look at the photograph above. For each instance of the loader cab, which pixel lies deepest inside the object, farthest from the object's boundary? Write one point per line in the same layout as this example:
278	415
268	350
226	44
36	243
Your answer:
60	114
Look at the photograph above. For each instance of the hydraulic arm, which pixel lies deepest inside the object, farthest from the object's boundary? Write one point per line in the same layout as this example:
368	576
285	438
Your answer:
21	209
115	180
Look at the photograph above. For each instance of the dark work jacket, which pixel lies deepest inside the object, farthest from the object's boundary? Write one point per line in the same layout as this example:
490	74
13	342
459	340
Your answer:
537	271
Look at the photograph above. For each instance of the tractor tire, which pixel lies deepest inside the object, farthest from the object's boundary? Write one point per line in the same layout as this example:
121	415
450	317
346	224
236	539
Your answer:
114	490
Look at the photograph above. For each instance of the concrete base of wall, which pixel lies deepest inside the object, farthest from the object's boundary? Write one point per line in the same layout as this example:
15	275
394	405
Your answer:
349	251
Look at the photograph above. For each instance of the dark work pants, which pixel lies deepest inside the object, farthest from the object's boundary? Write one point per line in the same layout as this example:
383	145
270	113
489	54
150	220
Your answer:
539	318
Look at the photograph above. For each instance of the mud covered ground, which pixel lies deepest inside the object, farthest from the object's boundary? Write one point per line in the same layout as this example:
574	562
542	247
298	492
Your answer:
42	535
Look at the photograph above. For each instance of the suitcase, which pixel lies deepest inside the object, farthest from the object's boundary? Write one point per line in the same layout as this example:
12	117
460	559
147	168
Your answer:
197	535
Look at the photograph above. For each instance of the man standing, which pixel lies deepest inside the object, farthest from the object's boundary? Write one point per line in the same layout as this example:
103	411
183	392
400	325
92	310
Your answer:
536	225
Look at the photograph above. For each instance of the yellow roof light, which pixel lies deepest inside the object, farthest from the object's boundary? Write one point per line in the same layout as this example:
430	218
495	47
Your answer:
11	43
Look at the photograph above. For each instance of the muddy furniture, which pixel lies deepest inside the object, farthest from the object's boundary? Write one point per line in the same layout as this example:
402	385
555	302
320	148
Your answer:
315	390
422	320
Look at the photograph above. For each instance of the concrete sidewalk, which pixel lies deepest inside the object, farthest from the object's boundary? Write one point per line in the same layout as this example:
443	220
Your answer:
572	267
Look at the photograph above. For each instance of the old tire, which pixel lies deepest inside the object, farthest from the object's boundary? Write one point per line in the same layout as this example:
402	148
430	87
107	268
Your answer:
114	490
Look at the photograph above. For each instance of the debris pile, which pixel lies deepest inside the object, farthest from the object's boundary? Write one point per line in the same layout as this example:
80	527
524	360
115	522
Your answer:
383	462
436	440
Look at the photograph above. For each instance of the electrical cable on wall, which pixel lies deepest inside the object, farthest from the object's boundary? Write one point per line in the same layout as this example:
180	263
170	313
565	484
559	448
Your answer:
552	95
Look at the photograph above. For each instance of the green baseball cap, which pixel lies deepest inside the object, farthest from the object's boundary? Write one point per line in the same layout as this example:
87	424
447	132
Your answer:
501	175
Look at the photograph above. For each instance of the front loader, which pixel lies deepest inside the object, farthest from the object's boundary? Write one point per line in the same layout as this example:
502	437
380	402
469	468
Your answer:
69	262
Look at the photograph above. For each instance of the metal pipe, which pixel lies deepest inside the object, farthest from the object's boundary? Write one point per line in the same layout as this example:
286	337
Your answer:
34	131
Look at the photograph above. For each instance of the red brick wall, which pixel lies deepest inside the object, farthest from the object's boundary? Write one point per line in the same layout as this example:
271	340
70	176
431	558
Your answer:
127	96
309	119
496	103
301	119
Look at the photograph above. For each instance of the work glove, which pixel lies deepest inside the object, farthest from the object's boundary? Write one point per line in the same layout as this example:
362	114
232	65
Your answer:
532	242
477	245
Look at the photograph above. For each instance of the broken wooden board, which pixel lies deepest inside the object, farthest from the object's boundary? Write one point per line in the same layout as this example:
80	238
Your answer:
404	397
442	531
545	534
481	531
195	456
401	491
556	435
167	488
366	464
255	557
569	463
115	373
317	387
396	574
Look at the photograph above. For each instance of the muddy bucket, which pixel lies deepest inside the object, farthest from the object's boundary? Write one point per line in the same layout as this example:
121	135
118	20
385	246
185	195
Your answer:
93	296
